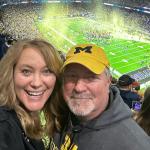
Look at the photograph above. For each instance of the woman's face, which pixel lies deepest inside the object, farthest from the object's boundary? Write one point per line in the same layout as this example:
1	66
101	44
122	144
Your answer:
85	93
33	81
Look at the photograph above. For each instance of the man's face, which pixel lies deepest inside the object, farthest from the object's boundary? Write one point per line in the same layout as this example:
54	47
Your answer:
85	93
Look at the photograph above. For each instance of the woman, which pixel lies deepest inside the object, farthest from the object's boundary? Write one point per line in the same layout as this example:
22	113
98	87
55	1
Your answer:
143	117
29	84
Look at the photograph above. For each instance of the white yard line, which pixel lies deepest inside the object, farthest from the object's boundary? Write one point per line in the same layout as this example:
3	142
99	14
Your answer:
73	43
62	35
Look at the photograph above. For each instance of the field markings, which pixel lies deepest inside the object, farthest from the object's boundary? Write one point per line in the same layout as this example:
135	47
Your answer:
112	53
62	35
125	60
129	58
129	64
66	38
115	46
123	53
140	46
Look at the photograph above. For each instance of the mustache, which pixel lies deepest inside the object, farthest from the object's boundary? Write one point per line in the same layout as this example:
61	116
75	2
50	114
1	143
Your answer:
81	96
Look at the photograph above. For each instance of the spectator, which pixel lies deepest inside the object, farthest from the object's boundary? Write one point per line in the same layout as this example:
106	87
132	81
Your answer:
143	117
29	73
136	88
62	55
125	85
114	81
98	117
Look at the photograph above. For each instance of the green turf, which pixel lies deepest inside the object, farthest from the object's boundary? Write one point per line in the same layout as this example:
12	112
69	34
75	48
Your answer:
125	55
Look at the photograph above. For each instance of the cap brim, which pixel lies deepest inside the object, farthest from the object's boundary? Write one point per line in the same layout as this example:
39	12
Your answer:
87	62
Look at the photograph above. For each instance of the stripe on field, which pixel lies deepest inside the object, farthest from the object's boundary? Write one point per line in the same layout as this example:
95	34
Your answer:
62	35
65	37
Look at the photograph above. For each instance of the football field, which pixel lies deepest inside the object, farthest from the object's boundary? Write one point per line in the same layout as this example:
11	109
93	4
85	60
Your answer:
126	53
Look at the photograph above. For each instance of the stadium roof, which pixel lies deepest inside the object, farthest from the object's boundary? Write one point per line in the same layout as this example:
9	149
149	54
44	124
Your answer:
40	1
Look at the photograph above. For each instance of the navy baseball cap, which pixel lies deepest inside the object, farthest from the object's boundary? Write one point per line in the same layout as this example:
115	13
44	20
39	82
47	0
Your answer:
125	80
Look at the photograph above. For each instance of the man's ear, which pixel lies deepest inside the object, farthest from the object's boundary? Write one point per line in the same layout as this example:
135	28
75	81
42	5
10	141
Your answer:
109	80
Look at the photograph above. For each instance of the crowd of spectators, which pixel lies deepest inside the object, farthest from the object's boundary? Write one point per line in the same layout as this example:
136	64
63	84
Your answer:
132	3
19	20
130	20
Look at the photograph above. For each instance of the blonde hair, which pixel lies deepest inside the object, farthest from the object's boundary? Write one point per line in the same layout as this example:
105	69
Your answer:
31	120
143	117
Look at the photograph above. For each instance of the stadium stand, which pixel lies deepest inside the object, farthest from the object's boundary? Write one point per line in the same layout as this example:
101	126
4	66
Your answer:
123	22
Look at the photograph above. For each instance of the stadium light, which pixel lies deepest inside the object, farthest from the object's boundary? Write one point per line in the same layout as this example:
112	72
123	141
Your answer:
53	1
108	4
78	1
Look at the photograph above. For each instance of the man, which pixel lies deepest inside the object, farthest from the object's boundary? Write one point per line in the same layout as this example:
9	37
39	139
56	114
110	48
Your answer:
98	118
125	84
